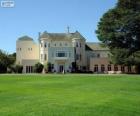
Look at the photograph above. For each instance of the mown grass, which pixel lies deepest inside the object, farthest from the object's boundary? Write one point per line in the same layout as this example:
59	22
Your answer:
69	95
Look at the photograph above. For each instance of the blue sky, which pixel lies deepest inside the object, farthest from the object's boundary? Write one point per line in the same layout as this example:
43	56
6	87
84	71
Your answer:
29	17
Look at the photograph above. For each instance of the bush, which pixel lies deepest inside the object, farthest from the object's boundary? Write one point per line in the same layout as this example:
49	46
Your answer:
16	68
38	67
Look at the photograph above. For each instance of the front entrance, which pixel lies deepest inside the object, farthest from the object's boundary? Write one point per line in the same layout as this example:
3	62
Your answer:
61	68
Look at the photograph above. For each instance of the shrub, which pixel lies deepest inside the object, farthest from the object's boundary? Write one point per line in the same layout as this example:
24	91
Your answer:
15	68
38	67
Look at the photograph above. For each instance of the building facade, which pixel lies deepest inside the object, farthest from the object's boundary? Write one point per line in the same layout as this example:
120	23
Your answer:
63	51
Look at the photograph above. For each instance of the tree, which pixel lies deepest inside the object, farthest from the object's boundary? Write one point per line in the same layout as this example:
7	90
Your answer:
119	29
48	67
5	61
16	68
38	67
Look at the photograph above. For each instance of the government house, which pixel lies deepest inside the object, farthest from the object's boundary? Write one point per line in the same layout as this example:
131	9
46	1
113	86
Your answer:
63	51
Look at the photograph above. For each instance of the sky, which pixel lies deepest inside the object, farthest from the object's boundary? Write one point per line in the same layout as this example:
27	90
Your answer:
29	17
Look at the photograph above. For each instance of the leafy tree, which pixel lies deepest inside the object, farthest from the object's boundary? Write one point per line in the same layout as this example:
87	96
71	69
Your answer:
5	61
119	29
38	68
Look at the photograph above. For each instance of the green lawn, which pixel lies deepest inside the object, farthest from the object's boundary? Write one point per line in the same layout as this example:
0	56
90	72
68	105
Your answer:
69	95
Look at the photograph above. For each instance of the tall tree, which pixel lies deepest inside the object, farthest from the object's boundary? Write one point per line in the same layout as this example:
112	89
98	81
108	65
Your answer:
119	29
5	61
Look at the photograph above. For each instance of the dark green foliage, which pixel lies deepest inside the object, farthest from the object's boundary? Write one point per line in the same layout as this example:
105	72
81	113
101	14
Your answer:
38	68
48	67
119	29
16	68
5	61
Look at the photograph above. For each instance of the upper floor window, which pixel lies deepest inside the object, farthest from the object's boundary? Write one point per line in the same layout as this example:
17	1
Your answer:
80	45
98	55
77	56
45	45
69	54
45	57
80	57
41	57
29	49
60	44
48	44
76	44
61	54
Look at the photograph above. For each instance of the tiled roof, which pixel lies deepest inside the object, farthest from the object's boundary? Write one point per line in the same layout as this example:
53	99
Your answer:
61	36
95	46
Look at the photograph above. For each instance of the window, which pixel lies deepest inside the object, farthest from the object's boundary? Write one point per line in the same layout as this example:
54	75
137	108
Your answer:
115	68
102	68
98	55
61	54
45	57
41	56
66	44
80	45
29	69
109	67
76	44
55	44
96	68
122	68
77	56
60	44
69	54
20	49
48	44
129	69
45	45
80	57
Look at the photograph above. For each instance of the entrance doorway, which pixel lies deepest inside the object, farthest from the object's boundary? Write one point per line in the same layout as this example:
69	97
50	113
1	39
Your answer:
61	68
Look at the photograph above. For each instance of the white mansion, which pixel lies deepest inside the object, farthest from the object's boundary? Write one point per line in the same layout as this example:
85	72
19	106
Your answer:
62	50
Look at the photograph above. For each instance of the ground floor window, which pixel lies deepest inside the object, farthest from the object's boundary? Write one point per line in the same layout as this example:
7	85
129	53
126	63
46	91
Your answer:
102	68
109	67
29	69
115	68
129	69
96	68
122	68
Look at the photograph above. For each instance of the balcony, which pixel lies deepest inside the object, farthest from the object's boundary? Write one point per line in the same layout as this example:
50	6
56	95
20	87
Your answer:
61	58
